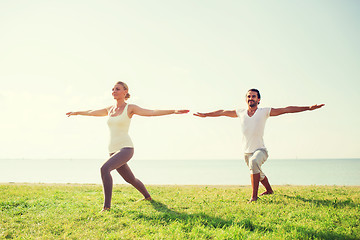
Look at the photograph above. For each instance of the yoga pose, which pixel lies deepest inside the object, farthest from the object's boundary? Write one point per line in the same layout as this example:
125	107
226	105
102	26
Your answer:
121	148
253	121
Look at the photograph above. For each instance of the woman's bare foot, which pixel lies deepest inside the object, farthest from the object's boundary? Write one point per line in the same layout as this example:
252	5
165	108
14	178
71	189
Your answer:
105	209
266	193
145	199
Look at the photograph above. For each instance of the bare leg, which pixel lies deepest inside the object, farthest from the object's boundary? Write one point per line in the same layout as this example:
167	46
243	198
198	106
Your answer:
115	161
267	186
254	162
129	177
255	179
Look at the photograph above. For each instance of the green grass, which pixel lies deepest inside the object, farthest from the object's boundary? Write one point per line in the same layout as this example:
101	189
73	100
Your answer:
45	211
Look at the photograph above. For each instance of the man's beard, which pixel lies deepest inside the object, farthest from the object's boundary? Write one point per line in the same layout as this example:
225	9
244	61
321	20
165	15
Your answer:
252	103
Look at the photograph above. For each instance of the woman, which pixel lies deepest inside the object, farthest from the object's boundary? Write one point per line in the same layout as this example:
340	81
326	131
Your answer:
121	148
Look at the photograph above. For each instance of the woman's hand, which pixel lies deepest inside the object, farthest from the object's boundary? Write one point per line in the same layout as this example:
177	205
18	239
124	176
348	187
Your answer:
181	111
71	114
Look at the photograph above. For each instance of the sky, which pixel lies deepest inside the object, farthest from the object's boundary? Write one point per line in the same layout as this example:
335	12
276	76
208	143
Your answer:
61	56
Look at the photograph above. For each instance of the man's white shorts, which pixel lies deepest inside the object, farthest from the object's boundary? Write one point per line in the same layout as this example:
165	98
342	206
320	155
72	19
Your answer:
255	160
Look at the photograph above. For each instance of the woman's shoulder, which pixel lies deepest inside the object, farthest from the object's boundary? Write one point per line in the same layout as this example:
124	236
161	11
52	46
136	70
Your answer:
131	106
109	107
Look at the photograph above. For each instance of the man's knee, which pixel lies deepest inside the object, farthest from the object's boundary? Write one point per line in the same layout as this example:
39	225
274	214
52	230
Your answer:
254	166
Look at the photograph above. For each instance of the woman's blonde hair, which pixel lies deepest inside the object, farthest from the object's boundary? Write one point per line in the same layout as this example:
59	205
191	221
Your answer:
125	86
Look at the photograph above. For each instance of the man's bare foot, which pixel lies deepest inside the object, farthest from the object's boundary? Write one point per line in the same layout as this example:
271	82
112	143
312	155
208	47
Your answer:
253	200
266	193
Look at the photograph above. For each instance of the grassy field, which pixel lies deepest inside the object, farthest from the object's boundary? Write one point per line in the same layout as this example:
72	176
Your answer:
45	211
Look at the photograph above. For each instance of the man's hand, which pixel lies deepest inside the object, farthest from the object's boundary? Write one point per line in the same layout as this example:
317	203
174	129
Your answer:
316	106
200	114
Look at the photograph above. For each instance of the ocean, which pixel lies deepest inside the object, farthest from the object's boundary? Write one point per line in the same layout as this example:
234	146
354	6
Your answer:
185	172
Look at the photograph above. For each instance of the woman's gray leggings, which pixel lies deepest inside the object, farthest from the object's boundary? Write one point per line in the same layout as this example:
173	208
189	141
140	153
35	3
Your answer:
119	161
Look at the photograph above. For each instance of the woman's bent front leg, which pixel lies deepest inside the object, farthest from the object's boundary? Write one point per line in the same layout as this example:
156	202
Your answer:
115	161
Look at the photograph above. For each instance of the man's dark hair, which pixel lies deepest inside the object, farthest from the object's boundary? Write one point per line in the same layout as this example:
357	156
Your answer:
255	90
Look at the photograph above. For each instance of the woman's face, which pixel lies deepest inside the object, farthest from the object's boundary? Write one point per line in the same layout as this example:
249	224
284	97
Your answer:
119	92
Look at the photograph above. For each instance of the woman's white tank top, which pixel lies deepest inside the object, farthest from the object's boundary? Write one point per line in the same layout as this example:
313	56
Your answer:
119	127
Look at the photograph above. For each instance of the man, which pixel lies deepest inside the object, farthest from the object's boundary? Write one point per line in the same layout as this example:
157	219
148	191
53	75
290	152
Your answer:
253	121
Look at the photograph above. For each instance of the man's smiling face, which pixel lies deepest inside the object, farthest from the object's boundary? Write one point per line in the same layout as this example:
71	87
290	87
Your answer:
252	99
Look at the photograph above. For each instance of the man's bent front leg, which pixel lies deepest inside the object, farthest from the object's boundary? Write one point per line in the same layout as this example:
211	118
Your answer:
255	179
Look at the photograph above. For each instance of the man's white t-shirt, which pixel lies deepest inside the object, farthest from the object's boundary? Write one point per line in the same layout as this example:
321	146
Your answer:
253	128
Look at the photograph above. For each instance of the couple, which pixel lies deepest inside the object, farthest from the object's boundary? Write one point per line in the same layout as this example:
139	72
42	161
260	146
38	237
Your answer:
121	148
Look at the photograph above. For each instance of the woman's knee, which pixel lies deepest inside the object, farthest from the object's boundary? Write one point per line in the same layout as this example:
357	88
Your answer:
104	170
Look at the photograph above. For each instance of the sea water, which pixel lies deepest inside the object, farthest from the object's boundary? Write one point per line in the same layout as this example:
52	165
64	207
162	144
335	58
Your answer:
185	172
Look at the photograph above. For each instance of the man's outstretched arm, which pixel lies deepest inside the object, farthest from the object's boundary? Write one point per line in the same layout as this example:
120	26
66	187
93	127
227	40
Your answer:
293	109
218	113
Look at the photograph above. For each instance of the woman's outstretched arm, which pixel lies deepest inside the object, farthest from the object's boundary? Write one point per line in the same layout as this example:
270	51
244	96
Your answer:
136	110
96	113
